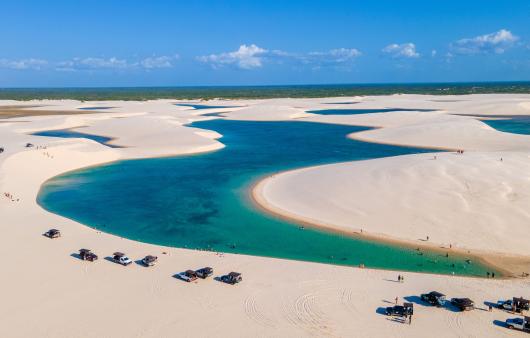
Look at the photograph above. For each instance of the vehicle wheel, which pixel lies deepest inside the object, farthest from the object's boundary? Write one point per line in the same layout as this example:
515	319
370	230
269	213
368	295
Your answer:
510	327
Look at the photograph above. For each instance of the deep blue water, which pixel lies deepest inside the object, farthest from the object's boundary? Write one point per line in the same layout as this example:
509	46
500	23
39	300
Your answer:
69	133
514	125
361	111
202	106
202	201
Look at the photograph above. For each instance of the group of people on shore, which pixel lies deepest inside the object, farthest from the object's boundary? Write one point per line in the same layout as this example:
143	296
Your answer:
47	154
11	197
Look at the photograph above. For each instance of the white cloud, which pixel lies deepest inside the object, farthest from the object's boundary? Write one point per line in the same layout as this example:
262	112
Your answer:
434	52
35	64
246	57
339	55
497	43
404	50
91	63
158	62
252	57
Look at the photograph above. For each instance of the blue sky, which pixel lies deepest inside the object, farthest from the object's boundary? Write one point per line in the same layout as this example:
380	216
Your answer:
178	43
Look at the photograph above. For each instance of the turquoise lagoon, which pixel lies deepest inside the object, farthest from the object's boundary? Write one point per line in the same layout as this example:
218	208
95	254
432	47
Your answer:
202	201
69	133
511	124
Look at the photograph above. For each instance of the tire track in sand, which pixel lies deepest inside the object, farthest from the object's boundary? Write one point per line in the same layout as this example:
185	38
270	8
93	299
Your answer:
305	312
255	312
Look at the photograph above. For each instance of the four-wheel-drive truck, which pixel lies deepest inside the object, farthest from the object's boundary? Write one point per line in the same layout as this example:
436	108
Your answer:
434	298
187	276
522	324
149	260
87	255
407	309
232	278
516	304
204	272
463	304
52	233
121	258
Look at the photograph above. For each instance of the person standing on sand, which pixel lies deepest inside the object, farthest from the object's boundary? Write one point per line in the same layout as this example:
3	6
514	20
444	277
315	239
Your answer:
488	274
493	275
397	300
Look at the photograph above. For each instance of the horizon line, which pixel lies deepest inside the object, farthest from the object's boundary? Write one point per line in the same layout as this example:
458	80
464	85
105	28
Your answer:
278	85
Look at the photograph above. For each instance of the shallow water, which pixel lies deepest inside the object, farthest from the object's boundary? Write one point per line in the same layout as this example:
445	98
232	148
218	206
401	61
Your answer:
362	111
201	201
514	125
69	133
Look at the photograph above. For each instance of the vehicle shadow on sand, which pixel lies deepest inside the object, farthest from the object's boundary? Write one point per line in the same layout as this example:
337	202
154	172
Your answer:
140	262
396	319
500	323
381	311
416	300
110	259
76	255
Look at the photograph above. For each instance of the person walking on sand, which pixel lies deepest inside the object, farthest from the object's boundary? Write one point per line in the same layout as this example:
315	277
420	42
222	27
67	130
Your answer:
490	307
493	275
397	300
488	274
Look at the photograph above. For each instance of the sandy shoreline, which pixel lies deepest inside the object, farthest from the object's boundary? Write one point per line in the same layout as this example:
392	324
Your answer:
277	298
509	266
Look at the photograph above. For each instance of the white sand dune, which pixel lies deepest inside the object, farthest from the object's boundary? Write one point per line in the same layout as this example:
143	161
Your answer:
472	200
